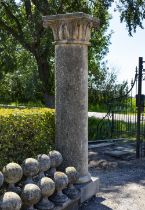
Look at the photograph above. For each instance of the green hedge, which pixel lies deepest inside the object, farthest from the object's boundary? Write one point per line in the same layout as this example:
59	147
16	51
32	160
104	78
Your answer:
25	133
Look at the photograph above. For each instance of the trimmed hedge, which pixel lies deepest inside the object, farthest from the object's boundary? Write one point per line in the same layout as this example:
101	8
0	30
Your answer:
25	133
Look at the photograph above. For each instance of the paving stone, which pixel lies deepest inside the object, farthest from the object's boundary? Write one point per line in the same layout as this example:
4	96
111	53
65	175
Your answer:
117	153
100	145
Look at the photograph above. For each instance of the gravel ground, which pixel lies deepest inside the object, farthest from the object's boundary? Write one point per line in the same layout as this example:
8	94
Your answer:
121	188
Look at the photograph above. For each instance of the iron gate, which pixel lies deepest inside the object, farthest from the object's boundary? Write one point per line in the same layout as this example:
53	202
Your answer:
125	117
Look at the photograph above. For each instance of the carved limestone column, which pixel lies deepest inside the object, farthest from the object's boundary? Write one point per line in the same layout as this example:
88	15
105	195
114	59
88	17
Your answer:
71	35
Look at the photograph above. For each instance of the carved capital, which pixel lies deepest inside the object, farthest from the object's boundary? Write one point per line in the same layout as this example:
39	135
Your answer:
71	28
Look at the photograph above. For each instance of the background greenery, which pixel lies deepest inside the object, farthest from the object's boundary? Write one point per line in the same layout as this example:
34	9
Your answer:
27	53
102	129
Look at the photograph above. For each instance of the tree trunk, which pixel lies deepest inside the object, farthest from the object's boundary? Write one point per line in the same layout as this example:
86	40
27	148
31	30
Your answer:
46	79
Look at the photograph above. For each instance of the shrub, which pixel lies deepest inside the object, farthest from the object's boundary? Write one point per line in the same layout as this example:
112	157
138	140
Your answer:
25	133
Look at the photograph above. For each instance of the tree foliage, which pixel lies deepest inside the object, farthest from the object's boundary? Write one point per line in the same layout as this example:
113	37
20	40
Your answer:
132	12
21	84
22	23
26	50
7	53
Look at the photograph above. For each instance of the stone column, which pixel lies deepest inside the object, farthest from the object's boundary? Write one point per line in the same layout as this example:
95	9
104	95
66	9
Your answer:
71	34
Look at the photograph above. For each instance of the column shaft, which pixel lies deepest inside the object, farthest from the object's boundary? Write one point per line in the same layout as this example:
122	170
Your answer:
72	105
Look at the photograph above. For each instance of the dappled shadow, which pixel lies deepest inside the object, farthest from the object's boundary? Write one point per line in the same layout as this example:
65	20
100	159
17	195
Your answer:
134	173
116	171
123	176
122	180
95	204
122	185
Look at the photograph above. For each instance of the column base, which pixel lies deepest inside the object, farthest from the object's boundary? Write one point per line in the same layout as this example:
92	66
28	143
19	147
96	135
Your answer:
89	189
84	179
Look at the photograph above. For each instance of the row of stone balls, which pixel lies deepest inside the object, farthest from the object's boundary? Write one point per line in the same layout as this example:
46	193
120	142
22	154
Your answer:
41	187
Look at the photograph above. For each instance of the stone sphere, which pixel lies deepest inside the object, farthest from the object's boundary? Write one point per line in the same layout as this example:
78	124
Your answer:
1	179
61	180
55	158
47	186
11	201
12	173
72	174
30	167
44	162
31	194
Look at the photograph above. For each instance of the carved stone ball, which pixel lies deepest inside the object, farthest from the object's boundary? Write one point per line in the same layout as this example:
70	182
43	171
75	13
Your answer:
1	179
30	167
47	186
31	194
44	162
12	173
72	174
55	158
11	201
61	180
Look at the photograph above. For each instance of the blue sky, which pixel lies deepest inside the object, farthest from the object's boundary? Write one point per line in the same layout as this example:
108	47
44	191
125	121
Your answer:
125	50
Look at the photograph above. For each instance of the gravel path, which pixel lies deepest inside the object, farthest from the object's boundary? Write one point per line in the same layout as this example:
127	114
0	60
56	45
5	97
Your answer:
122	188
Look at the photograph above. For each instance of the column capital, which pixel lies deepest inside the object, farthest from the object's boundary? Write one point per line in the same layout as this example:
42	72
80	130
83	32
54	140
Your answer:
71	28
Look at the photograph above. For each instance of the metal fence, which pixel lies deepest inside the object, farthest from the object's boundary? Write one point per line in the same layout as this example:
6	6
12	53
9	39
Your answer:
125	119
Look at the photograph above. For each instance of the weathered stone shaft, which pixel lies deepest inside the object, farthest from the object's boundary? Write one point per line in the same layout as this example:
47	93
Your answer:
72	105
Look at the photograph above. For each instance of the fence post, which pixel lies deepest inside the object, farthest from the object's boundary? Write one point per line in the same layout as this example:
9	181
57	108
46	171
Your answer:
112	126
138	140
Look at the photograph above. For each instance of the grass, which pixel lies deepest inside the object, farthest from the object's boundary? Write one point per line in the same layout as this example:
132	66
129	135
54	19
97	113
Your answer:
97	108
29	104
104	129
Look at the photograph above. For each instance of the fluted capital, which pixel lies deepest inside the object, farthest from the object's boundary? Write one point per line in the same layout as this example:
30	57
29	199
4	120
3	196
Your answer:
71	28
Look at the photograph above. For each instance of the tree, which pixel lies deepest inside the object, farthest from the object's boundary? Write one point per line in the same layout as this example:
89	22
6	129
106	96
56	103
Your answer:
7	54
22	22
132	12
104	88
21	84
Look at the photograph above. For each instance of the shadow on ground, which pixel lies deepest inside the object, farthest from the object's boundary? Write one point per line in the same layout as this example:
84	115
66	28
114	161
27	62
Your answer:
114	171
121	187
94	204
